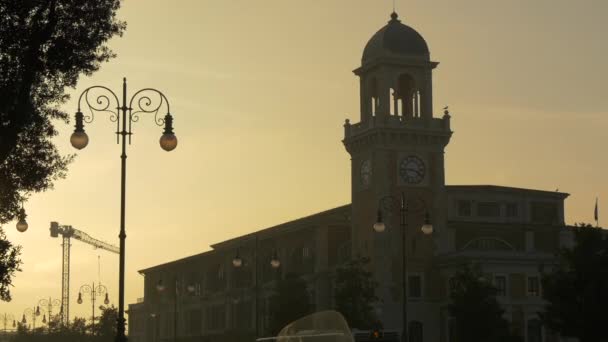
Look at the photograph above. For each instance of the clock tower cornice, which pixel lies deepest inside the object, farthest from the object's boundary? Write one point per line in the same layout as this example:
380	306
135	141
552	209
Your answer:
396	133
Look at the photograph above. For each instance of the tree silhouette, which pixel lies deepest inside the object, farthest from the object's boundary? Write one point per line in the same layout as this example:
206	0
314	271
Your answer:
290	302
576	289
45	45
477	314
355	294
9	264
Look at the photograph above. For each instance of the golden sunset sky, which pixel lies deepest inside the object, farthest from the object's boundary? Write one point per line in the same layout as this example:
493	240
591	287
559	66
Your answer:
260	90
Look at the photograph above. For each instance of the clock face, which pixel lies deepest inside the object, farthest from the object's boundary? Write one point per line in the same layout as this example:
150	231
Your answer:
412	170
366	172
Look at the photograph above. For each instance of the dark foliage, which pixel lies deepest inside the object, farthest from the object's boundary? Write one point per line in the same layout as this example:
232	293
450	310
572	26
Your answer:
291	301
45	45
77	331
355	294
576	290
9	264
105	327
478	315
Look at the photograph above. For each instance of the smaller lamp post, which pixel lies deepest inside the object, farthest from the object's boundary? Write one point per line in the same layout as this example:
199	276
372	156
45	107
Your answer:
160	287
7	318
34	312
49	304
275	263
94	291
427	229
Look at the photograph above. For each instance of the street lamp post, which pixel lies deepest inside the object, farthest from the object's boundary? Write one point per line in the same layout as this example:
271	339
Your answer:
34	312
7	318
49	303
160	287
94	291
237	262
79	139
427	229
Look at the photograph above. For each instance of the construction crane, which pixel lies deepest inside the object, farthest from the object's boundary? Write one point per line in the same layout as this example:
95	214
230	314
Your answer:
68	232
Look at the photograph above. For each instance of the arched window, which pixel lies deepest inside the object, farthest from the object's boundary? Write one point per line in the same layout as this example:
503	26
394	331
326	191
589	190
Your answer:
415	331
374	96
394	102
534	332
488	244
408	95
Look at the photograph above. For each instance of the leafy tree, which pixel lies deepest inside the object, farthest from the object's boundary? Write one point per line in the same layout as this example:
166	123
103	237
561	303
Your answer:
576	289
355	294
45	45
290	302
478	315
105	329
9	264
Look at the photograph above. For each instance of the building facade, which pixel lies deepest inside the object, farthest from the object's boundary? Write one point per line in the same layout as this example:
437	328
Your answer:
397	150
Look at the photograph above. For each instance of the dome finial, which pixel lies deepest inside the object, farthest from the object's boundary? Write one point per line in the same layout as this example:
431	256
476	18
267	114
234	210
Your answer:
394	17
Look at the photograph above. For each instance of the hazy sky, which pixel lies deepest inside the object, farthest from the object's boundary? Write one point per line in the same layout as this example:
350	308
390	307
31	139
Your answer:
259	92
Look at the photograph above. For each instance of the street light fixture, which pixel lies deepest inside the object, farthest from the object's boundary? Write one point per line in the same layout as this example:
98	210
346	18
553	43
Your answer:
427	228
22	223
275	262
125	114
237	261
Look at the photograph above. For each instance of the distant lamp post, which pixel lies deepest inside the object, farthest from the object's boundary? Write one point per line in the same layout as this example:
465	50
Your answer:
34	312
49	304
142	102
94	292
160	288
275	263
427	228
7	318
22	223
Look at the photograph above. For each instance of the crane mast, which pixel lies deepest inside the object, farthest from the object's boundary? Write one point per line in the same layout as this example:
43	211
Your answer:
68	232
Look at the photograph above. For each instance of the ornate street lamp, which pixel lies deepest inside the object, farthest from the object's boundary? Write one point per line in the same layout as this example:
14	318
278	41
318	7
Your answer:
7	318
34	312
275	263
427	229
124	115
49	304
94	292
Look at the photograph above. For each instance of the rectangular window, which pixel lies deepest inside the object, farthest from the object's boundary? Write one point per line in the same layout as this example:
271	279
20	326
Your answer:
501	285
533	287
464	208
488	209
512	210
415	286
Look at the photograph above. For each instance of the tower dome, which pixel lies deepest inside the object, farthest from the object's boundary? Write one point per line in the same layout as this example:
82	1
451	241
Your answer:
395	40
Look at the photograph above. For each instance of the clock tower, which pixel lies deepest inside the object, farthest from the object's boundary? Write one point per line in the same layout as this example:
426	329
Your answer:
397	148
